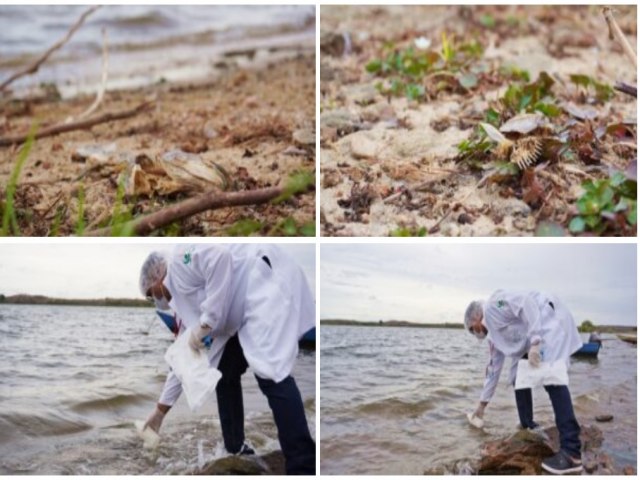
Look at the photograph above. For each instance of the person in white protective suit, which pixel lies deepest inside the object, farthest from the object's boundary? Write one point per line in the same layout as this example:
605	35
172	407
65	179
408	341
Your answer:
533	326
255	303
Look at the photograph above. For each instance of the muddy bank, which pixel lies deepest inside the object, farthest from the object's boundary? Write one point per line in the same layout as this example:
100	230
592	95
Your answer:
245	128
390	156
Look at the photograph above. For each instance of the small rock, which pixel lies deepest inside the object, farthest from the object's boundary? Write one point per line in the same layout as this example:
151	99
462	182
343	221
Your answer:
343	121
332	43
209	131
604	418
362	94
330	177
465	218
590	466
363	147
304	137
96	153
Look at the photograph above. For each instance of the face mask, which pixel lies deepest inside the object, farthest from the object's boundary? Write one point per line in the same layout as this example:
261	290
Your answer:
162	303
480	335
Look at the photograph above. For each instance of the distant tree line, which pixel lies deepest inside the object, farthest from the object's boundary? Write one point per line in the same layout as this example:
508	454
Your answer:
23	299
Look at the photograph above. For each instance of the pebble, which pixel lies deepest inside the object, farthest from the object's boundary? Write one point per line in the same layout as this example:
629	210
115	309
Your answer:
604	418
363	147
304	137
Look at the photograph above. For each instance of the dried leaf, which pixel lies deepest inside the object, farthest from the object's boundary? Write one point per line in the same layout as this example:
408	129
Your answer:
523	123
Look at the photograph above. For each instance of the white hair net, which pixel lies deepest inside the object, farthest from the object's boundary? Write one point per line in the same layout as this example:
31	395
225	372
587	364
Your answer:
474	310
153	269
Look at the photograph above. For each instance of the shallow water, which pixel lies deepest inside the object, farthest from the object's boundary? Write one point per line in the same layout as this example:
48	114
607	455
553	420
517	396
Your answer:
394	399
147	43
73	380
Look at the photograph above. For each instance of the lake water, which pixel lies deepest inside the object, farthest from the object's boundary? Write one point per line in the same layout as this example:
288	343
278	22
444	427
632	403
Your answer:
393	400
147	43
73	380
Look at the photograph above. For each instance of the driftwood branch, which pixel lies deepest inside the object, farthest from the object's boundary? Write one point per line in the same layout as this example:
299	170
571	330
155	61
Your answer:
103	82
77	125
33	67
616	32
192	206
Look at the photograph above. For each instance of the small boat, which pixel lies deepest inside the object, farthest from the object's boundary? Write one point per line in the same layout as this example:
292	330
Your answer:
589	349
308	340
629	338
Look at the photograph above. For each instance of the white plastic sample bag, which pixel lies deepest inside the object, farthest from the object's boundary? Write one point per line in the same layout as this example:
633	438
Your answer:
198	378
548	373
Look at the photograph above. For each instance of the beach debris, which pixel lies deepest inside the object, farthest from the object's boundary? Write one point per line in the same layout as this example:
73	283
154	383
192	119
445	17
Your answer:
523	123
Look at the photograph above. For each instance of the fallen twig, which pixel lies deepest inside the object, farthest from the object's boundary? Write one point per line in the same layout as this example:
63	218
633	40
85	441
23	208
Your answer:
192	206
33	68
78	125
103	83
615	32
626	88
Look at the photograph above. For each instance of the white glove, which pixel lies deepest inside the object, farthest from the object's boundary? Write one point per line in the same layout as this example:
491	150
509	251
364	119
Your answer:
197	335
154	422
534	355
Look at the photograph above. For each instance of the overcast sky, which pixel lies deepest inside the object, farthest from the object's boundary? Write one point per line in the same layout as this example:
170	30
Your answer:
94	270
435	283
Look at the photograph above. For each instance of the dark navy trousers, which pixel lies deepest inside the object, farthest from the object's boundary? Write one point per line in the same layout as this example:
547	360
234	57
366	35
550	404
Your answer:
563	412
284	398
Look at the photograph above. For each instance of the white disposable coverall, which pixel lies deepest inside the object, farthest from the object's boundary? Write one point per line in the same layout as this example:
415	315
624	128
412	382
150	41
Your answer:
514	321
233	290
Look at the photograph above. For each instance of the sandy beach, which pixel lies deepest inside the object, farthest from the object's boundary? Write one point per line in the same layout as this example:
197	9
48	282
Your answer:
226	113
403	87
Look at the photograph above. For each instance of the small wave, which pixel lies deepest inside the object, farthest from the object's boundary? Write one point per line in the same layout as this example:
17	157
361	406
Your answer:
147	19
108	403
396	407
38	425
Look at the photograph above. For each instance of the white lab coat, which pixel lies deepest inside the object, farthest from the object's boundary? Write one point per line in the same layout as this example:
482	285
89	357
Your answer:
233	290
514	321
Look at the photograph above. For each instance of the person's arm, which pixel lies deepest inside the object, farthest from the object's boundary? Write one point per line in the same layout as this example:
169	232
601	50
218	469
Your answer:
171	391
492	376
530	313
214	266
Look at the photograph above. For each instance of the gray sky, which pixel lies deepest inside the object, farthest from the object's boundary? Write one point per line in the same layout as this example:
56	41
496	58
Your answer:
434	283
94	270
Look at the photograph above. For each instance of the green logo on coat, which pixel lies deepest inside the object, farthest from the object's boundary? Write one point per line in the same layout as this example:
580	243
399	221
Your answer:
187	258
501	303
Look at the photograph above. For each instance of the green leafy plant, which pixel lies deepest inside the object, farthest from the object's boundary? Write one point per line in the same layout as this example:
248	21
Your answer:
603	92
297	182
121	215
80	223
290	228
531	97
409	232
9	219
244	228
607	204
405	70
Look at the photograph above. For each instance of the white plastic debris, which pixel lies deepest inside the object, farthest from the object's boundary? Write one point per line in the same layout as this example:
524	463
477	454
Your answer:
475	421
548	373
198	378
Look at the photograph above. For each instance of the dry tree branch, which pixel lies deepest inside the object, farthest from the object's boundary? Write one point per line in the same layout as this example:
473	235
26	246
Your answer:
192	206
33	68
77	125
615	32
105	75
